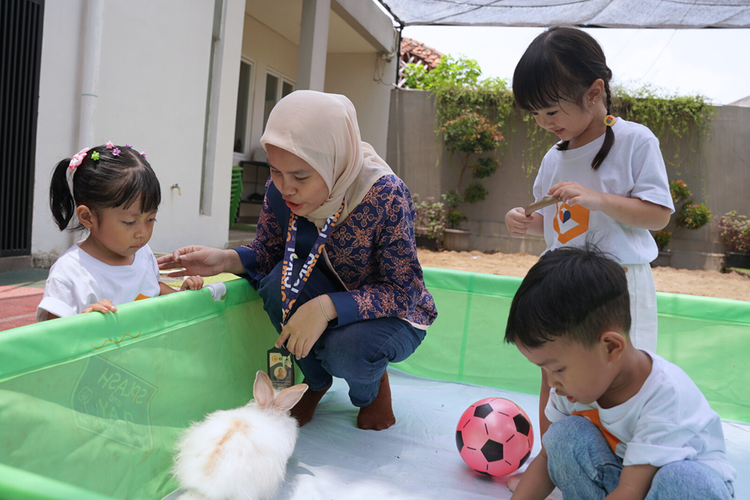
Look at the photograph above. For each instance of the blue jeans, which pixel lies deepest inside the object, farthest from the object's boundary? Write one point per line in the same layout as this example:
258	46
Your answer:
358	352
581	463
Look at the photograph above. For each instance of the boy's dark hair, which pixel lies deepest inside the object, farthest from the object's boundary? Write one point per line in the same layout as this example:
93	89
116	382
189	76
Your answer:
572	293
111	181
560	65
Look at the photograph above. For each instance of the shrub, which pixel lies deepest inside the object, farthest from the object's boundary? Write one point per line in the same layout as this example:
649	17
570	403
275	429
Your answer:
693	216
679	191
662	237
485	167
475	192
430	220
689	216
471	132
734	232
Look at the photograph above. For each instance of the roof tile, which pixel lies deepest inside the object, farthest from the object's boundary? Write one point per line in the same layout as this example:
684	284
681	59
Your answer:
415	51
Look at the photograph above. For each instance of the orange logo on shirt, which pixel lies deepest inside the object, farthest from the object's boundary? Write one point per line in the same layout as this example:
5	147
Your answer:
570	221
593	416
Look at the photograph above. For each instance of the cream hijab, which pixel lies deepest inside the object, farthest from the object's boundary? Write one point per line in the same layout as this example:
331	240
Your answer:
322	129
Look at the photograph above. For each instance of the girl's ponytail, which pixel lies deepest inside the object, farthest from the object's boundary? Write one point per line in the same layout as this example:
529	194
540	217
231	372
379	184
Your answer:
609	135
61	201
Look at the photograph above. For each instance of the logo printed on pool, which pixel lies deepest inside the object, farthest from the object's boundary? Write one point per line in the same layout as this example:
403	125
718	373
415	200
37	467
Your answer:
570	221
114	403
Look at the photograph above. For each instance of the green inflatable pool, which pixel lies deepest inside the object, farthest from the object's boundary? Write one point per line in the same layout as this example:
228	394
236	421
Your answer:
91	406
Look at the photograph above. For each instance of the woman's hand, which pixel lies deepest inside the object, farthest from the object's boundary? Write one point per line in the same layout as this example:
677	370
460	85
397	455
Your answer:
306	325
103	306
201	261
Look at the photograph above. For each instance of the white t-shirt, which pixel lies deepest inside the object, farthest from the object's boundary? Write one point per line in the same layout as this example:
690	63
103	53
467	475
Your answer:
634	168
668	420
77	280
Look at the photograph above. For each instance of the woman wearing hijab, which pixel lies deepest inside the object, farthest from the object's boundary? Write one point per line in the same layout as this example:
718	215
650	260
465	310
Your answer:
334	259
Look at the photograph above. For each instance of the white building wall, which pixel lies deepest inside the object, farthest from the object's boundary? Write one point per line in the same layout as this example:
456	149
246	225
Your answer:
57	124
153	94
366	79
268	50
153	89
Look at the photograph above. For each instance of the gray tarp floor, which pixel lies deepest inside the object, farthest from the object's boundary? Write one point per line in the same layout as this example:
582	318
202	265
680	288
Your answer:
416	459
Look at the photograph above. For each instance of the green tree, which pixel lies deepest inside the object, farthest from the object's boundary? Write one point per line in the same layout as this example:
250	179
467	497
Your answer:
461	72
471	112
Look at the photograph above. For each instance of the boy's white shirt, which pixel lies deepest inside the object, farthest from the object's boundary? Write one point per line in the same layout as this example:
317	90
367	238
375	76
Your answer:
77	280
634	168
668	420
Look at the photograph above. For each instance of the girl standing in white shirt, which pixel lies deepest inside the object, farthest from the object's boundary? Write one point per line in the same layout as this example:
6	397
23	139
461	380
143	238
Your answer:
607	175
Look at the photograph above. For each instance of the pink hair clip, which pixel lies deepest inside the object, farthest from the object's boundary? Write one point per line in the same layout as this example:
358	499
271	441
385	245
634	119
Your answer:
128	145
116	152
143	153
77	159
109	145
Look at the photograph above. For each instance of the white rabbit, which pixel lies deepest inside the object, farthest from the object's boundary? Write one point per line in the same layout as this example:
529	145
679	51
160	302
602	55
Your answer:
241	453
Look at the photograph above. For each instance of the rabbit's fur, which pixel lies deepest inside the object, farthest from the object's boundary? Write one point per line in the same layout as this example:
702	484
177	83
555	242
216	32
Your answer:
241	453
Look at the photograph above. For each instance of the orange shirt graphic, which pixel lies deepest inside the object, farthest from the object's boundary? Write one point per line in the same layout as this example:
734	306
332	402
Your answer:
570	221
593	416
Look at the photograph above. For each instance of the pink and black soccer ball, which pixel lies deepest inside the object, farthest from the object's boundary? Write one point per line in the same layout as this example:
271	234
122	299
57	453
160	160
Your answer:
494	437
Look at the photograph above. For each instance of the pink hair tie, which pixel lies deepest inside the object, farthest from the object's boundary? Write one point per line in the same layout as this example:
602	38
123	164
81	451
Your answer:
75	162
77	159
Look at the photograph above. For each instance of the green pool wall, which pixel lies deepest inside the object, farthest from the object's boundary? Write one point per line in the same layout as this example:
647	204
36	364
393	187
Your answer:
95	402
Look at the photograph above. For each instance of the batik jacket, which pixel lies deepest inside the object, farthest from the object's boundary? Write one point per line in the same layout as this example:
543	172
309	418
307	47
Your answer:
373	252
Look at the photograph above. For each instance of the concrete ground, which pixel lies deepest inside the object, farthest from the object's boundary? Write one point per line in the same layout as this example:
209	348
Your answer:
20	292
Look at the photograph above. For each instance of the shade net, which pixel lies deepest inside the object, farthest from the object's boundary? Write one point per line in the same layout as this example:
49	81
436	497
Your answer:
591	13
91	405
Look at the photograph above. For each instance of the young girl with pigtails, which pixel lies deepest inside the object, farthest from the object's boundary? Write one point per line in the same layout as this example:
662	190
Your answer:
114	194
606	175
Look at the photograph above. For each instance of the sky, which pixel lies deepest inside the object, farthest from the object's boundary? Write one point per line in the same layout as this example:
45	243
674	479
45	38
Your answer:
709	62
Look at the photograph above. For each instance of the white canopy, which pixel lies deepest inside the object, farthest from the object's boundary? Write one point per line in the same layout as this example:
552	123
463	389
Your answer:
585	13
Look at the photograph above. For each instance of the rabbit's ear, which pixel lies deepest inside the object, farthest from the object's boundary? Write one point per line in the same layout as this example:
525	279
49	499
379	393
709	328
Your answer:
263	390
287	398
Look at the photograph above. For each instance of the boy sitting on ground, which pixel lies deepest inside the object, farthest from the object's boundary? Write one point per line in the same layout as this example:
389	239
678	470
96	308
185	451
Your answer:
626	423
